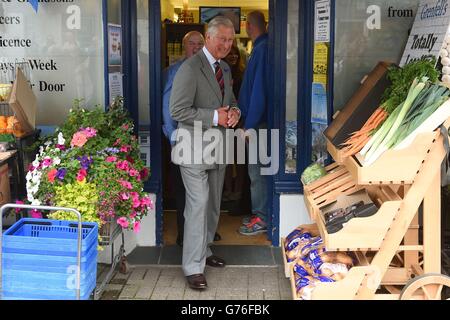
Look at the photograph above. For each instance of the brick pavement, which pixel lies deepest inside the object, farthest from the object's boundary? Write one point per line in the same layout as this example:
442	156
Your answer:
168	283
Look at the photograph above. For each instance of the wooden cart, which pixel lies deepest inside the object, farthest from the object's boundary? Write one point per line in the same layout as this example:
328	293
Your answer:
394	261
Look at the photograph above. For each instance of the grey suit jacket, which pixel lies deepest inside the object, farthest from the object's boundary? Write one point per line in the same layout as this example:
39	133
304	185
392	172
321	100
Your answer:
194	98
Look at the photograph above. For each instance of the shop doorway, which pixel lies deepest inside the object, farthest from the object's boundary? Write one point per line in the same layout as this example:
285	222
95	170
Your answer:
179	17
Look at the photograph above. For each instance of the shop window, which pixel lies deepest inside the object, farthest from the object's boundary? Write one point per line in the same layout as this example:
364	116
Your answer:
63	41
367	31
292	87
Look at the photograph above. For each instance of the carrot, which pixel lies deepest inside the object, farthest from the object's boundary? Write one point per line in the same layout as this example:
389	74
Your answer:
357	140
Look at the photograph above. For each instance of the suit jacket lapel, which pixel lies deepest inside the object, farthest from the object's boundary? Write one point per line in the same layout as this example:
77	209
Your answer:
208	73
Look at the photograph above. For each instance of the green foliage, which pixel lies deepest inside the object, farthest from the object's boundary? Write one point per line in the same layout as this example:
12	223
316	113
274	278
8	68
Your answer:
402	78
81	196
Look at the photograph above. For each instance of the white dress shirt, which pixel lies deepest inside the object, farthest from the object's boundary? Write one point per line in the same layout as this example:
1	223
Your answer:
212	61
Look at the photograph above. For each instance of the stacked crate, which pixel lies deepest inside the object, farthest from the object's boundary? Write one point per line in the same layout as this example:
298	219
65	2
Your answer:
39	260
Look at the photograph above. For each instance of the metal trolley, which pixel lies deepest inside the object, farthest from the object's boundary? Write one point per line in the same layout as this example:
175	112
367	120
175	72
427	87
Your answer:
108	234
45	208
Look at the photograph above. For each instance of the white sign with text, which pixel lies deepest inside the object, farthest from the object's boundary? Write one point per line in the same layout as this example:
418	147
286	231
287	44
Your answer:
428	32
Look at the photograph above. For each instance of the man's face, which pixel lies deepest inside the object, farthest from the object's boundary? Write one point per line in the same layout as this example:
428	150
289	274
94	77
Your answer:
220	44
193	45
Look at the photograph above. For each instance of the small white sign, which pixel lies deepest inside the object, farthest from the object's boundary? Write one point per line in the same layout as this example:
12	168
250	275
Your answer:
115	86
428	32
322	18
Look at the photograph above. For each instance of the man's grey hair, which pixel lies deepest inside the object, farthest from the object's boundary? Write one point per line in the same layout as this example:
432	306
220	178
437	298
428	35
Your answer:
218	21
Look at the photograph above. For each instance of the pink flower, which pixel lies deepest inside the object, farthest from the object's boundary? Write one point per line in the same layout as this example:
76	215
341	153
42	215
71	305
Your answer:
134	173
61	147
137	227
47	162
82	174
123	165
124	196
125	127
123	222
118	141
79	139
51	175
111	159
133	215
125	149
35	214
136	203
147	202
19	202
90	132
31	168
144	173
126	184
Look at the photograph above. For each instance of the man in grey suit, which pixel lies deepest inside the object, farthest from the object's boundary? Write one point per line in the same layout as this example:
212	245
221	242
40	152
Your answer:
203	104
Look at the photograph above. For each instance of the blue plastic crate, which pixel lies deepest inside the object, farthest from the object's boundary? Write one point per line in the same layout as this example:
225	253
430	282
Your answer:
48	237
17	289
37	255
47	263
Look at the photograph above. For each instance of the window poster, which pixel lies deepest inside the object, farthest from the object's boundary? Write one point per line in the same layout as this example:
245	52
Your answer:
115	44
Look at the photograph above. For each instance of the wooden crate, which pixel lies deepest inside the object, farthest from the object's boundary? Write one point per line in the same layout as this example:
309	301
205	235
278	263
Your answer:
346	289
326	190
364	233
394	167
287	265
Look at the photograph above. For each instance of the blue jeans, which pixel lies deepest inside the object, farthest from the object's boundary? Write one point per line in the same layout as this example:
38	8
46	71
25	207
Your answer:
258	187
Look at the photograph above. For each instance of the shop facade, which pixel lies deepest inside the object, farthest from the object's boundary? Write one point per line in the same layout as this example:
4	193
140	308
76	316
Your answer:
320	51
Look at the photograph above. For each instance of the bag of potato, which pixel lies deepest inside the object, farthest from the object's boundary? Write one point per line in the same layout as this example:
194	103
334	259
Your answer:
305	286
335	271
303	268
318	257
314	244
296	240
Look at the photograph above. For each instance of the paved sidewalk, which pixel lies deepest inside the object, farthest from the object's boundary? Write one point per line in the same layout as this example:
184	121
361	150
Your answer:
168	283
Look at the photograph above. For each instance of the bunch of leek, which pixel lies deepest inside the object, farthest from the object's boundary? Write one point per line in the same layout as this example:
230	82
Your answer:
433	98
386	136
422	101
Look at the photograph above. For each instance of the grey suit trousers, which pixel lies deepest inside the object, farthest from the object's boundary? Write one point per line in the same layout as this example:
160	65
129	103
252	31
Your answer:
202	212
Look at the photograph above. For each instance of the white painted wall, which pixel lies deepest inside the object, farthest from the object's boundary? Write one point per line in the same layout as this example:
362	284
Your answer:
293	213
145	238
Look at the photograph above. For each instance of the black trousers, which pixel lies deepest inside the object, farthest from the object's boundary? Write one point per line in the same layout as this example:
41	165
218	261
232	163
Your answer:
180	198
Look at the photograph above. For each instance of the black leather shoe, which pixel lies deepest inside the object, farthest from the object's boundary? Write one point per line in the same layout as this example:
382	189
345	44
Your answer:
215	262
180	242
217	237
197	282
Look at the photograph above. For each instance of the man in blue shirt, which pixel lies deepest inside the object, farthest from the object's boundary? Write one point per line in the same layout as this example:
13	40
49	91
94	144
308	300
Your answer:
193	42
253	104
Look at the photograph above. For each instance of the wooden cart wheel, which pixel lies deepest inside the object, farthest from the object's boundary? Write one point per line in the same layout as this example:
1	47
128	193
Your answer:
124	266
425	287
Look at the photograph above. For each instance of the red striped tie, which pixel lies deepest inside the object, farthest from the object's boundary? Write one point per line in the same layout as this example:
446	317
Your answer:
219	77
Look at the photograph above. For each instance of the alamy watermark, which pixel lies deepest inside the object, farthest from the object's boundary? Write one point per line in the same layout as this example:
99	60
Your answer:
227	146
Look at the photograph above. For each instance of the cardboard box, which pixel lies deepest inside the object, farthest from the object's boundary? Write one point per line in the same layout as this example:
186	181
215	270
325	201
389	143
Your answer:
5	191
23	102
359	108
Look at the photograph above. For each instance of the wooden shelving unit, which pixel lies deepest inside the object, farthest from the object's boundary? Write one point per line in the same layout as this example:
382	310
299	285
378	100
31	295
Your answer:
392	261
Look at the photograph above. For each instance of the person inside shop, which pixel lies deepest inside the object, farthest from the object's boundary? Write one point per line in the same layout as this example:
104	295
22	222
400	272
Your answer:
253	103
193	42
237	185
202	95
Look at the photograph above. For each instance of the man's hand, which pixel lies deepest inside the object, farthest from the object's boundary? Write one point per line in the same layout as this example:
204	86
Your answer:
233	118
223	116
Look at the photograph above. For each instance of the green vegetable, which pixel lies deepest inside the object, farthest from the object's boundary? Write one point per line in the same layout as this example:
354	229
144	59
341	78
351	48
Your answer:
402	78
388	135
313	173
